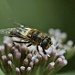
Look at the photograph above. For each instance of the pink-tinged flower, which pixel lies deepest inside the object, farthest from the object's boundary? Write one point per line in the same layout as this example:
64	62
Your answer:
18	59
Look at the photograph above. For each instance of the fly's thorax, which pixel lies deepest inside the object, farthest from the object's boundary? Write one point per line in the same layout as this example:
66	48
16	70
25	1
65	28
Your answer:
39	34
25	32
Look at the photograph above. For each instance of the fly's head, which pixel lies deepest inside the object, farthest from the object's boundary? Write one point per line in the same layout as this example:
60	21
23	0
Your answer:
46	43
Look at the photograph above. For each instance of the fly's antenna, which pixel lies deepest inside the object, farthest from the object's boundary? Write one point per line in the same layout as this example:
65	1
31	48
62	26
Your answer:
16	23
5	31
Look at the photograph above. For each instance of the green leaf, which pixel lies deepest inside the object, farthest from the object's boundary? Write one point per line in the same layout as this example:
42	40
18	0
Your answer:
67	73
1	73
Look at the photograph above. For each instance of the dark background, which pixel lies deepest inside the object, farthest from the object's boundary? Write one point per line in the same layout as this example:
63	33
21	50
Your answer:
42	15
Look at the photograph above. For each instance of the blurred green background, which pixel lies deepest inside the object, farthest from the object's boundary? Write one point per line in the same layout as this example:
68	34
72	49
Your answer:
42	15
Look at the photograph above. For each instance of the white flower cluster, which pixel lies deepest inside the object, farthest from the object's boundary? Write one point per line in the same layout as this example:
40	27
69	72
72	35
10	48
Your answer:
18	59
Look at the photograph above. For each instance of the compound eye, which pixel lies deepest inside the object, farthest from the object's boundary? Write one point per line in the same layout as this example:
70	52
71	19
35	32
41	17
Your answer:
50	43
44	43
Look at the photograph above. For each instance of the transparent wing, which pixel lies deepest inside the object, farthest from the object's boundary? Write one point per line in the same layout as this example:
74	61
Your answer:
16	23
5	31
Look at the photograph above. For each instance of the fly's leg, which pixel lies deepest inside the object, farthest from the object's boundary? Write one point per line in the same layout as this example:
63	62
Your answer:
29	45
38	49
44	51
24	42
21	42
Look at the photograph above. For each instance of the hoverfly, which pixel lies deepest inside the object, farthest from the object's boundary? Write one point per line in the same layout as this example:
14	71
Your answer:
30	35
